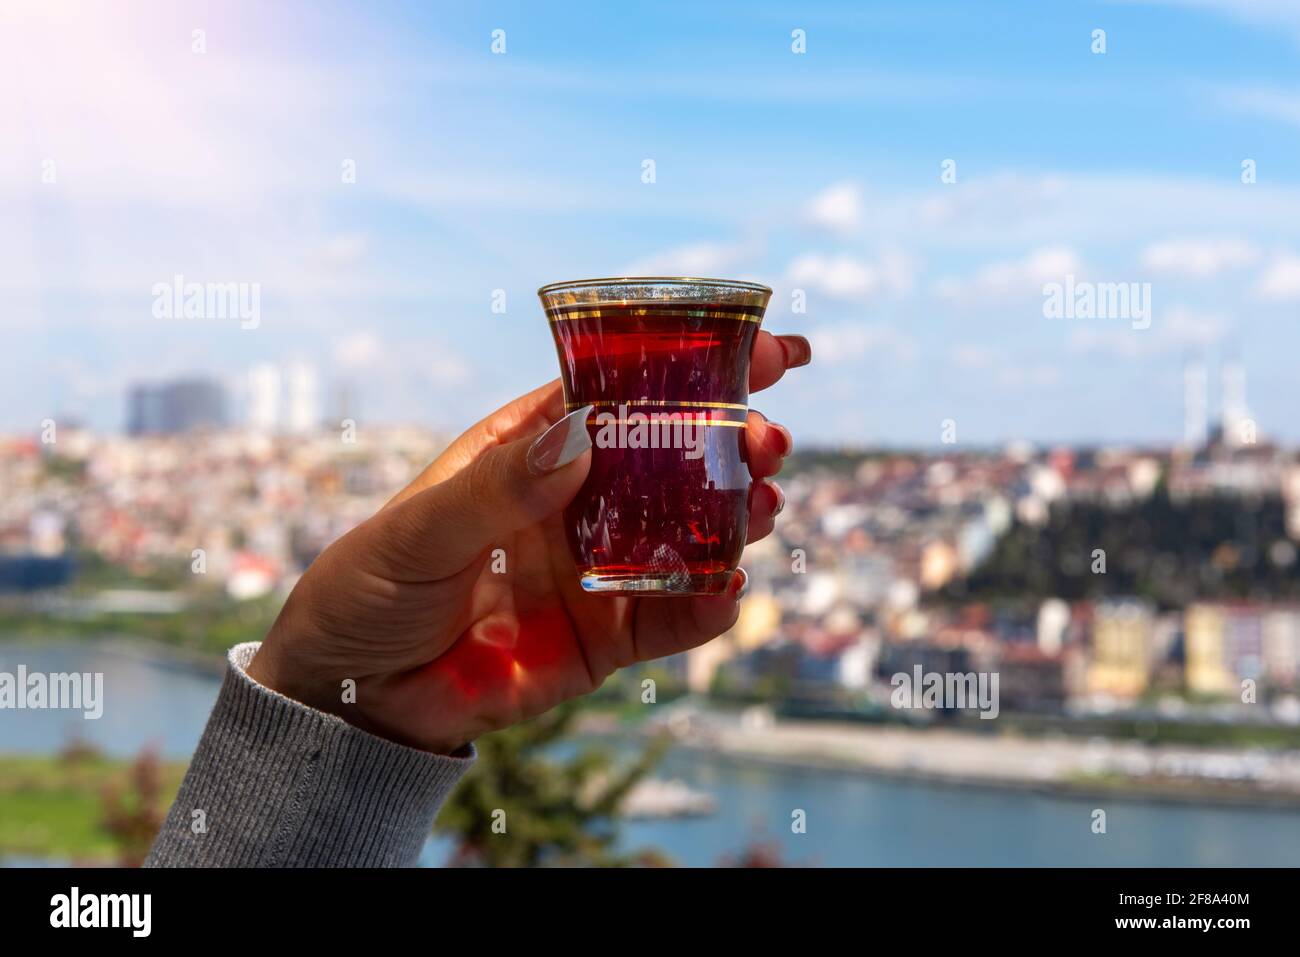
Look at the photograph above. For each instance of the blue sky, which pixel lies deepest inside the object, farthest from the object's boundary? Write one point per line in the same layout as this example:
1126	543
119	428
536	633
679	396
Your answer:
821	172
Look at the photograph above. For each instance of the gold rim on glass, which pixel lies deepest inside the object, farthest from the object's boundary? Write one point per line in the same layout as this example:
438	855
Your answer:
741	284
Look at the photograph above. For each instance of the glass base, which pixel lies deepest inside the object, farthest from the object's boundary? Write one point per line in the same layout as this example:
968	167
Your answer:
653	584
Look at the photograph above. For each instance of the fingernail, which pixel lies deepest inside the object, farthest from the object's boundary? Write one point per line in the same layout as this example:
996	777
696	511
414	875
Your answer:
743	590
780	499
798	351
561	443
786	438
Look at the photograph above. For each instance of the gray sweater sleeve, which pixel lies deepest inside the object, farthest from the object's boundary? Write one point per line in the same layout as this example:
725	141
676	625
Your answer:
275	783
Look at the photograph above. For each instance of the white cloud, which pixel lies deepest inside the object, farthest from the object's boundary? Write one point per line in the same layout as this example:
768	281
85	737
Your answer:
1266	14
1001	369
837	208
341	251
1010	279
1198	257
847	277
358	351
447	370
1122	342
1015	375
992	200
1270	103
424	362
1281	279
972	356
1183	328
847	341
452	188
1018	210
1176	329
699	259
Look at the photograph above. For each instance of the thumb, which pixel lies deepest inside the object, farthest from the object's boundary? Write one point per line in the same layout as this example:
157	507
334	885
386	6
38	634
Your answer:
443	529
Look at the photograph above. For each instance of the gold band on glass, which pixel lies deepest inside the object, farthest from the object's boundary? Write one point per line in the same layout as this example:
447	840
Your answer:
725	423
683	314
574	406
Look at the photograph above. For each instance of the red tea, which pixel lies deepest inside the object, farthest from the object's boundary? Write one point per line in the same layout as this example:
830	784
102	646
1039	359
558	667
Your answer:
666	506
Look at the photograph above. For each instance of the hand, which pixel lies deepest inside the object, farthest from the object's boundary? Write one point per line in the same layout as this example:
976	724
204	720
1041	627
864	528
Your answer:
441	648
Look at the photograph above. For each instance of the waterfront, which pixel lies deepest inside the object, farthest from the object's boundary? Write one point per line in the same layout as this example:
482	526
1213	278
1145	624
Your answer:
852	818
860	820
152	699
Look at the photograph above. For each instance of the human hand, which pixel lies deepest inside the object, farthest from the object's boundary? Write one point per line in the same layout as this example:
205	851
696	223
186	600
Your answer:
441	648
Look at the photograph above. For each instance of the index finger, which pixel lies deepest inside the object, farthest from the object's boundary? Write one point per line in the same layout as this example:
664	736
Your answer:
773	355
527	415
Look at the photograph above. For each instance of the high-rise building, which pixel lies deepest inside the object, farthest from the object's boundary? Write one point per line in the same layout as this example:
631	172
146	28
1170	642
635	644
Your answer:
1195	404
264	397
304	399
168	408
1235	420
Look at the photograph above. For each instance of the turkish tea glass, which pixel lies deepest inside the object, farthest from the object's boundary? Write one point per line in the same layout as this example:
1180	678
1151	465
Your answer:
665	364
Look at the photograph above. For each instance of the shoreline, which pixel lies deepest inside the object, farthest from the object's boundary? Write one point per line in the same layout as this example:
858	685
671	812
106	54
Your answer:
1075	790
1059	768
1053	766
148	650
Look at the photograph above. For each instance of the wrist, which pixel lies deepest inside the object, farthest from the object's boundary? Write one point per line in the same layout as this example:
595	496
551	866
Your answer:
277	671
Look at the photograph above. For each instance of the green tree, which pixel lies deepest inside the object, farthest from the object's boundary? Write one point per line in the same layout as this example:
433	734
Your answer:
133	809
527	803
1173	552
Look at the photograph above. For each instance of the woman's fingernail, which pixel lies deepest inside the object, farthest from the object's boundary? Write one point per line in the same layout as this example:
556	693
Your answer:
786	438
798	351
561	443
780	499
743	589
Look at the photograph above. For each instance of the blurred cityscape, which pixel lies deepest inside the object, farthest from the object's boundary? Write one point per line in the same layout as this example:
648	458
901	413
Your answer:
186	491
1144	602
1090	579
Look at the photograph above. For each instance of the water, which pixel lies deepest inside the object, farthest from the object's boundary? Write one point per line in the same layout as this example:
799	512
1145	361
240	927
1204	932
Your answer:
149	701
857	820
852	819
